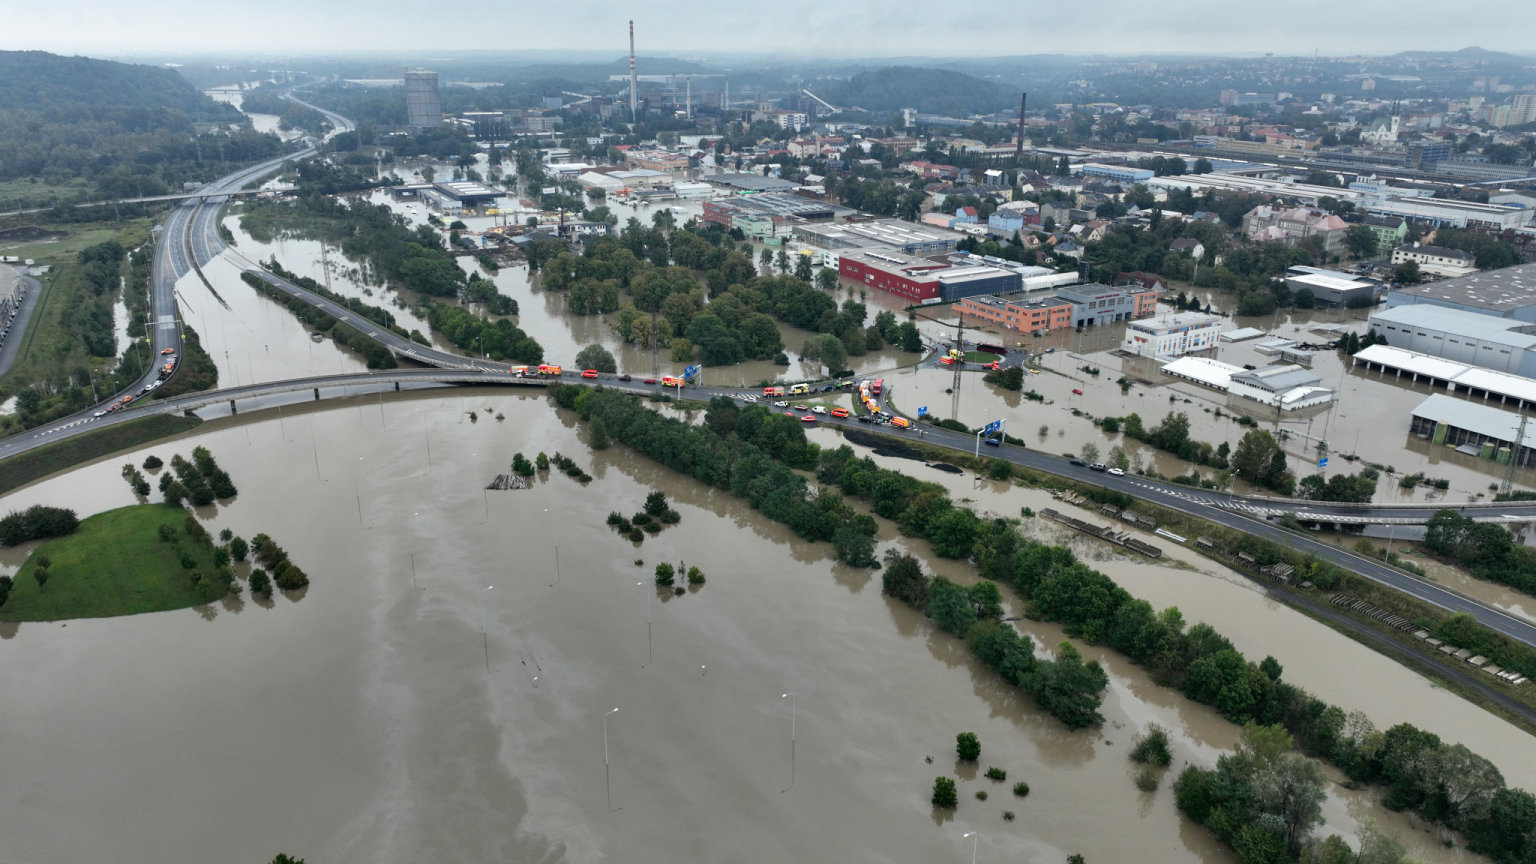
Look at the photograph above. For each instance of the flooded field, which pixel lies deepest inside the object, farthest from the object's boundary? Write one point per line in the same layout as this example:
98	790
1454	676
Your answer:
371	720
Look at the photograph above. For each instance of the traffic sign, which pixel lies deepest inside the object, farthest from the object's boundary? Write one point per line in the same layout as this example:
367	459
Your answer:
690	371
1323	462
923	411
992	427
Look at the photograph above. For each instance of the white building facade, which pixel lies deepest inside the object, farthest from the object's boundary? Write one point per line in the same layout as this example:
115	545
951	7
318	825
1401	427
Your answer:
1172	335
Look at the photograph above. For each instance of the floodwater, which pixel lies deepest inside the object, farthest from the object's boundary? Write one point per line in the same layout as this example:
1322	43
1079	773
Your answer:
1372	403
542	313
369	720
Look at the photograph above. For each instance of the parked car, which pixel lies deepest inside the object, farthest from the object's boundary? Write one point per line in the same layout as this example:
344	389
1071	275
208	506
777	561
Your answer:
650	380
624	378
1078	462
589	373
1098	466
809	418
167	351
839	412
818	409
781	404
1076	392
1118	472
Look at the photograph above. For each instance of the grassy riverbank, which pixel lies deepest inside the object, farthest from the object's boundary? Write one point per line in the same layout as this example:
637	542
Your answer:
115	564
20	470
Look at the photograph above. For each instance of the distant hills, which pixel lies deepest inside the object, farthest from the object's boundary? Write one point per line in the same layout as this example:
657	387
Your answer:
931	91
39	81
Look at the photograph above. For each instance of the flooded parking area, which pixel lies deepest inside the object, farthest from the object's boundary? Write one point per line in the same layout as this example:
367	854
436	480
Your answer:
374	720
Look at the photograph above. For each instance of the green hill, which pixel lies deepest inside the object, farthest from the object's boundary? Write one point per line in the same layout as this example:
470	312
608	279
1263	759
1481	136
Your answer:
74	128
37	80
931	91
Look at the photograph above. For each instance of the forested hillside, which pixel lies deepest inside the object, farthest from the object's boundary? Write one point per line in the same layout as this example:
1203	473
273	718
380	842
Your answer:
78	128
931	91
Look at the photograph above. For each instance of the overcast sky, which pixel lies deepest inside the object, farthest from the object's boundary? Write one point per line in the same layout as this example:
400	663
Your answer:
834	28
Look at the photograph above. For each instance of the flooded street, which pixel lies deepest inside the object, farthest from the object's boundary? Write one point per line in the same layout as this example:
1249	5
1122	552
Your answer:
360	723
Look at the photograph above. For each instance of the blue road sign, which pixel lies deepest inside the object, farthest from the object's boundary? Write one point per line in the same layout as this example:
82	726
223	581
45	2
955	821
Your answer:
923	411
1323	462
992	427
690	371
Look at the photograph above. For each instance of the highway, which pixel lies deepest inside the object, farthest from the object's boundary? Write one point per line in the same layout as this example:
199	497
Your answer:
190	239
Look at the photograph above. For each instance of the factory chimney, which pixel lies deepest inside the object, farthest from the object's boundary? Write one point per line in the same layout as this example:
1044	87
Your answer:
634	104
1018	152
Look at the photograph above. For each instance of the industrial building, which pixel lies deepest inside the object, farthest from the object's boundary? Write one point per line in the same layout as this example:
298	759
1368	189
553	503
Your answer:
450	196
1503	344
770	214
1476	430
1442	212
1116	173
748	183
1288	388
1333	288
1475	382
1172	335
1509	292
423	106
923	280
1096	304
1038	316
675	164
891	235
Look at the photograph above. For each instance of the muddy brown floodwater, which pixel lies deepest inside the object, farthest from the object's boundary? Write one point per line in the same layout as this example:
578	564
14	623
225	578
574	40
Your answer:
371	721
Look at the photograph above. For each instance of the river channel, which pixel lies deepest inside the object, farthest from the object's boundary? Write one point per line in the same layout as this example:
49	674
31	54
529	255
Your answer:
373	720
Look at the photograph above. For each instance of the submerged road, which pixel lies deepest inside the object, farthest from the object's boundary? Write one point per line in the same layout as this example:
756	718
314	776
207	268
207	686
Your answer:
1228	512
190	239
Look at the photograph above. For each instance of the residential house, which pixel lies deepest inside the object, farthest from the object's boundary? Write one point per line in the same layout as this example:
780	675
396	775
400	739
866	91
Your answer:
1266	223
1436	260
1013	216
966	216
1188	246
1389	230
1149	281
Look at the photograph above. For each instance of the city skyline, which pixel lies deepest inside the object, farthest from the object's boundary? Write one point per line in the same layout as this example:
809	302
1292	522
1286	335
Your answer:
799	28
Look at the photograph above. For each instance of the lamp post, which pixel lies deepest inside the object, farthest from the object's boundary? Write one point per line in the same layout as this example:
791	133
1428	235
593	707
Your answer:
791	697
605	734
976	838
607	775
484	637
648	595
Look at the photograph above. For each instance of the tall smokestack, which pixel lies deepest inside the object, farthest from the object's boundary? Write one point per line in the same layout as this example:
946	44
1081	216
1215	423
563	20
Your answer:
634	101
1018	152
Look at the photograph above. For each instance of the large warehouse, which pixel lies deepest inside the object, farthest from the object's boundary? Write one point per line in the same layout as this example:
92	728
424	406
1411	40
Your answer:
1509	292
924	280
1503	344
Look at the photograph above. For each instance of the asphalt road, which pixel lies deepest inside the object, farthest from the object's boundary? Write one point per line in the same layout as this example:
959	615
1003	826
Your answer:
11	346
191	233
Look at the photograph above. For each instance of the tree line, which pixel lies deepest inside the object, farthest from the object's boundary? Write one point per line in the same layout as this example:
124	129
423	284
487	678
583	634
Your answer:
1444	783
1484	548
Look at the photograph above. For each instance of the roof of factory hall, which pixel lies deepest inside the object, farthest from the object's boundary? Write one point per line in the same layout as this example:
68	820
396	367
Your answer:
1496	290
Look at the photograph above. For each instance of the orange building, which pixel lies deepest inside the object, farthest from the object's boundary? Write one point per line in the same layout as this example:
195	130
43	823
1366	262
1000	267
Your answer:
1051	313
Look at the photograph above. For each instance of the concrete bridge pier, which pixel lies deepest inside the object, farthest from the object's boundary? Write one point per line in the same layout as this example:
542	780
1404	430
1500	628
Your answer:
397	386
317	394
232	409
